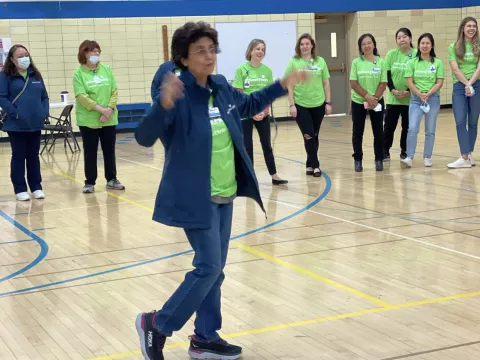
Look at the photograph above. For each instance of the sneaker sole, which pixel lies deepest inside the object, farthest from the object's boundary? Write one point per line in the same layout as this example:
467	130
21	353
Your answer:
196	354
460	167
141	334
112	188
404	165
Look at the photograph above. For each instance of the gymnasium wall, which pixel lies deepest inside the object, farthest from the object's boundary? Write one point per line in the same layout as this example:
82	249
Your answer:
133	46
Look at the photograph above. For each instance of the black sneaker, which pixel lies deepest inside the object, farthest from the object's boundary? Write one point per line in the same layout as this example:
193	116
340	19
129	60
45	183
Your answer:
151	341
386	157
403	156
217	350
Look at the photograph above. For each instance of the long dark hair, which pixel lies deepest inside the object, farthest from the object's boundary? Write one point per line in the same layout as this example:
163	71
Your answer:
432	50
9	67
360	39
407	32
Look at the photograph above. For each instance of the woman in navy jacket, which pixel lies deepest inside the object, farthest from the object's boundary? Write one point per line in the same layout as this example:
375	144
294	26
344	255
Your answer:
24	99
197	116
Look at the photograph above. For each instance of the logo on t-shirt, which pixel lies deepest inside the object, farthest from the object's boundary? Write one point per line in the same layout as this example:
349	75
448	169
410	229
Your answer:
432	68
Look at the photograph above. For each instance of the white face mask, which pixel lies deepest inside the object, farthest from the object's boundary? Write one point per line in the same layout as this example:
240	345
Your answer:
23	62
425	107
94	59
378	107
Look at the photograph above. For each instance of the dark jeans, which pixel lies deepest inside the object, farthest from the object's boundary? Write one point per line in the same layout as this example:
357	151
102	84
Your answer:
309	121
25	149
359	115
391	120
263	128
107	136
200	290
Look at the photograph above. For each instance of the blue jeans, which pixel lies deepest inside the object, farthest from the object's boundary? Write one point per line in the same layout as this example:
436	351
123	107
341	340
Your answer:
466	111
25	148
415	115
200	290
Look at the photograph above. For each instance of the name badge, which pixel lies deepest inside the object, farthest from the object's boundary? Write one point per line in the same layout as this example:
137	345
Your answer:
213	112
96	79
313	67
376	70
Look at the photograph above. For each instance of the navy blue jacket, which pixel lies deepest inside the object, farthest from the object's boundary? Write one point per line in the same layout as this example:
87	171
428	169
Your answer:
184	195
31	108
168	66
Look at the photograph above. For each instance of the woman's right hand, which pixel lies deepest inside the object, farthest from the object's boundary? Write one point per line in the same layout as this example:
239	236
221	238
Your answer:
293	111
171	91
372	101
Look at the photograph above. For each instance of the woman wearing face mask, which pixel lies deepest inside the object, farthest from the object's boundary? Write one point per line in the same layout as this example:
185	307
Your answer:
309	102
368	79
24	99
197	117
97	116
250	77
398	97
424	75
464	55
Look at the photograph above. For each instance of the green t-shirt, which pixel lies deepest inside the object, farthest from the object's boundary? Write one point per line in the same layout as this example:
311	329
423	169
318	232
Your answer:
369	75
98	85
252	79
396	62
469	63
309	94
222	177
425	73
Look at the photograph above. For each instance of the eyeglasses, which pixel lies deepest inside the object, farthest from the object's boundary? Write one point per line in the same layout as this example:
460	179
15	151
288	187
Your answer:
204	52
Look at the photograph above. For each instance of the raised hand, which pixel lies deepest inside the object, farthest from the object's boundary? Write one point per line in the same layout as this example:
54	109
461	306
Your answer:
171	90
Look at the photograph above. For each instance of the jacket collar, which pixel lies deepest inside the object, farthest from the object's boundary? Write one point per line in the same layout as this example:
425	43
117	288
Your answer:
189	80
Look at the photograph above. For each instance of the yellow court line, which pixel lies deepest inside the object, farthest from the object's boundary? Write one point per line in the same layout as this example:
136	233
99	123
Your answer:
255	251
308	322
310	274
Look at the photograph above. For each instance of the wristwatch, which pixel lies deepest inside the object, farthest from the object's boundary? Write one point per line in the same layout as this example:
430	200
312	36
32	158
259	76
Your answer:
328	103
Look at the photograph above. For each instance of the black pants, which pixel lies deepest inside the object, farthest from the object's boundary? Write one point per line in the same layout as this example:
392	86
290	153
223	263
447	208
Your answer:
263	128
391	120
309	121
25	147
359	115
107	136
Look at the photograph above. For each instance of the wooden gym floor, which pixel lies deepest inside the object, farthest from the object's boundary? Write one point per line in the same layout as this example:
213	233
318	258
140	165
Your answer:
377	265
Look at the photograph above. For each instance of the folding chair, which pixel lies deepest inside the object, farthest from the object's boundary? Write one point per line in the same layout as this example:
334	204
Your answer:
63	126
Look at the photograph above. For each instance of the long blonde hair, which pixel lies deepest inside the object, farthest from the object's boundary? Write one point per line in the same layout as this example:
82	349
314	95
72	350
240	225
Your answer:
460	43
253	44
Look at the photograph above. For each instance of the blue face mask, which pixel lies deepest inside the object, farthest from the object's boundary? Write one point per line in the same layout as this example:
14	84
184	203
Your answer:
94	59
23	62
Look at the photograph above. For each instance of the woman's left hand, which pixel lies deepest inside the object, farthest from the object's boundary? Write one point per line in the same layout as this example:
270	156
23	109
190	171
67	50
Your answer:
103	119
259	117
328	109
294	78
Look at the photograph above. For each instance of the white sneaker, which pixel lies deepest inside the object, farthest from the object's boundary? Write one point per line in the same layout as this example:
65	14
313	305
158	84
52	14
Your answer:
427	162
38	194
23	196
460	163
470	157
406	163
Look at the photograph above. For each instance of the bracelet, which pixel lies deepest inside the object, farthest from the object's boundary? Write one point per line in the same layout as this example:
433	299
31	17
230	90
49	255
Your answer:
292	105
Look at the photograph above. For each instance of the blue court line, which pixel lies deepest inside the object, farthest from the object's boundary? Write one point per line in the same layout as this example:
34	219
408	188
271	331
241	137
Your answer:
326	190
14	242
49	228
40	241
